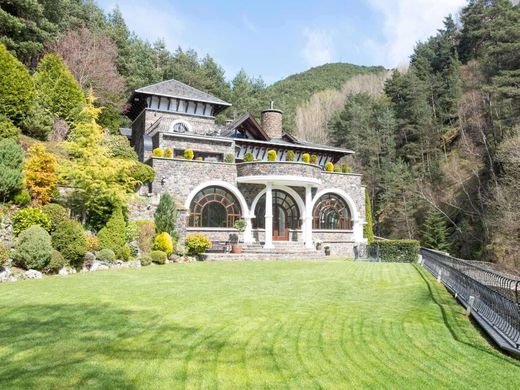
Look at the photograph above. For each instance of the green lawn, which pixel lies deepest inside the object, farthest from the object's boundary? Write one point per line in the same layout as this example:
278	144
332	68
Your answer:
298	324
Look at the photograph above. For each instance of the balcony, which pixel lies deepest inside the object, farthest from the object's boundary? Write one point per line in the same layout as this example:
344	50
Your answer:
283	172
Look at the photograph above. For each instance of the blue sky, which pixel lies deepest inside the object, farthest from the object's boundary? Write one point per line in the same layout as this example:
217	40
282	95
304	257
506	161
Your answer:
274	39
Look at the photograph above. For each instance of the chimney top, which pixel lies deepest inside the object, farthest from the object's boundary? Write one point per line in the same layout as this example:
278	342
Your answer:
272	121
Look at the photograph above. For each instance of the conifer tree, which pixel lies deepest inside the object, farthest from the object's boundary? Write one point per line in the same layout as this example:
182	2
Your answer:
41	175
368	228
11	168
113	235
435	232
165	215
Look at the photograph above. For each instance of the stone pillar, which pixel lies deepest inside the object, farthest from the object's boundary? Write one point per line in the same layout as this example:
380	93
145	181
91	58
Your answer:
268	216
248	233
307	228
357	227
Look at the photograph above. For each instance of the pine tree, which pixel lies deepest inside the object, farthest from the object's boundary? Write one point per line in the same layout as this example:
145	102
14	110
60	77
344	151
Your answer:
368	228
113	235
435	232
165	215
11	168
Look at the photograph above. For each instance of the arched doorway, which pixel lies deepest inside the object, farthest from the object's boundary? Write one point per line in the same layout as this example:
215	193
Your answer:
286	215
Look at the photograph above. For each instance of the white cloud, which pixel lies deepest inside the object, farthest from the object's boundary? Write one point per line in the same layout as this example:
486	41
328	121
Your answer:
405	22
318	47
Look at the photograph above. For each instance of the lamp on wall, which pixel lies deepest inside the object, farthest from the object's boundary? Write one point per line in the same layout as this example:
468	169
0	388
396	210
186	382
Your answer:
163	180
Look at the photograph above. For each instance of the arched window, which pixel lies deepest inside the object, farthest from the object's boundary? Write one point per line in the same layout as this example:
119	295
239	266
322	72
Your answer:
214	207
180	127
283	204
331	213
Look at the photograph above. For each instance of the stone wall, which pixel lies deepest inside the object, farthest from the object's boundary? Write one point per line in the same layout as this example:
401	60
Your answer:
348	182
197	124
178	142
284	168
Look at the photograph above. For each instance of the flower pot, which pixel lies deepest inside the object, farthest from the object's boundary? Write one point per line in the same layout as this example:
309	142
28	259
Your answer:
318	247
236	248
327	251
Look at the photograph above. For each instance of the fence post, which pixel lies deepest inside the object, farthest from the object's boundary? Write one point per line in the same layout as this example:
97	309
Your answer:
439	276
471	301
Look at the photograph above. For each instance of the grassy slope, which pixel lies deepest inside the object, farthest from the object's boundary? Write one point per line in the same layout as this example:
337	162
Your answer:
298	88
258	324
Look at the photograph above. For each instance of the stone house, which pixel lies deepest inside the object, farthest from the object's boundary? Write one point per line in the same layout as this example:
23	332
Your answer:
281	201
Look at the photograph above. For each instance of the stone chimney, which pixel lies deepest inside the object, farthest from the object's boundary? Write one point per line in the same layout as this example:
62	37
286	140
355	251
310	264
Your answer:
272	121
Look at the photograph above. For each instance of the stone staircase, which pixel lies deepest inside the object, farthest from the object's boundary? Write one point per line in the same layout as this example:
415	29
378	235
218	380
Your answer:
283	250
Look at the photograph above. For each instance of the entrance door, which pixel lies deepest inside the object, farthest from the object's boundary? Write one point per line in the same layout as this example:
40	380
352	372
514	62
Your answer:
280	228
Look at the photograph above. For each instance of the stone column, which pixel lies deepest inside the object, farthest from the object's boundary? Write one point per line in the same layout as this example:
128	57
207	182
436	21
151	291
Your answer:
308	218
248	233
268	216
357	227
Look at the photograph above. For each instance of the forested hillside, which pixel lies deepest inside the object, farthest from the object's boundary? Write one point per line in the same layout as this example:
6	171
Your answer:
440	147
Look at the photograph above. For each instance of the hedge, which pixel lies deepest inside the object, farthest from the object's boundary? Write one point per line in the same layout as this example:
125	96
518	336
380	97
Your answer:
402	251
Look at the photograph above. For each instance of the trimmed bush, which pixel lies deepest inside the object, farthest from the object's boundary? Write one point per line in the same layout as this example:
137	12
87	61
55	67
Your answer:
271	155
22	198
248	157
25	218
33	249
306	158
337	169
158	152
145	235
92	243
289	156
345	168
168	153
188	154
158	257
197	243
314	159
329	167
56	263
106	255
199	159
69	239
163	242
113	235
57	214
4	255
145	260
8	129
403	251
230	158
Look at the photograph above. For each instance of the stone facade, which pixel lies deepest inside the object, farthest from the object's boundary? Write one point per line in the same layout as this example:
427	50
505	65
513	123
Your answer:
179	142
285	168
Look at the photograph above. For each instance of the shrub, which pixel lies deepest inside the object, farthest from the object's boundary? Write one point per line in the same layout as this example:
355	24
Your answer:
92	243
158	257
113	235
41	176
11	168
25	218
188	154
163	242
168	153
197	244
16	87
22	198
314	159
8	129
56	263
4	255
69	239
229	158
405	251
126	253
345	168
271	155
106	255
290	155
329	167
306	158
248	157
57	89
165	215
145	260
145	235
33	249
39	122
134	249
337	169
158	152
119	147
142	173
56	213
199	159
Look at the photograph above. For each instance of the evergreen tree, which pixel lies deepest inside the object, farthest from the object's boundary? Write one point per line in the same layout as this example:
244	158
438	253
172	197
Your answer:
113	235
165	215
57	90
11	168
368	228
8	129
435	232
38	122
41	175
16	87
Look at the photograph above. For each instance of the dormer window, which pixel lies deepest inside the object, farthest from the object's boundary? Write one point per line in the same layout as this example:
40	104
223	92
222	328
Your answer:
180	127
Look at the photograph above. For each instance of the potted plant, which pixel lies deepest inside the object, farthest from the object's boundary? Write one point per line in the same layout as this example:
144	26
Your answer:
240	225
318	244
327	250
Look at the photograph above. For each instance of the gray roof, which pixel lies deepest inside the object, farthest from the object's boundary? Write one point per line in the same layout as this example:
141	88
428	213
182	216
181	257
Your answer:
176	89
299	144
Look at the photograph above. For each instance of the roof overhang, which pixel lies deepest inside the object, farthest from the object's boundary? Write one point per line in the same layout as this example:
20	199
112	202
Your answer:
289	180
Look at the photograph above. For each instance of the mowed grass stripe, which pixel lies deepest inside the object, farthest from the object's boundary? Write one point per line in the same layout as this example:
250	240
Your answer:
291	324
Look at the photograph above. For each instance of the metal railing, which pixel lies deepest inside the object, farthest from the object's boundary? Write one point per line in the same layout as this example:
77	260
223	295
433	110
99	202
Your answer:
491	297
